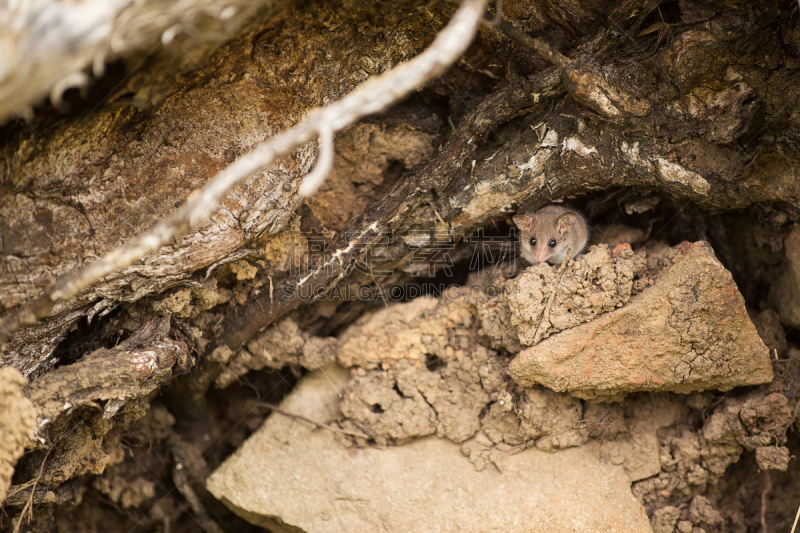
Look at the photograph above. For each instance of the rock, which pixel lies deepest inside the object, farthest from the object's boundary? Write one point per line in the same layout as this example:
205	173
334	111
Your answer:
785	292
688	332
291	476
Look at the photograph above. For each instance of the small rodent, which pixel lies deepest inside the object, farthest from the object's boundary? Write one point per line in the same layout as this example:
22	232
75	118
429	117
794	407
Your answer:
548	233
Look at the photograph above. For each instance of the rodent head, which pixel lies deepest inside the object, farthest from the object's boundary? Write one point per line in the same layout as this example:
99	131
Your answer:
547	235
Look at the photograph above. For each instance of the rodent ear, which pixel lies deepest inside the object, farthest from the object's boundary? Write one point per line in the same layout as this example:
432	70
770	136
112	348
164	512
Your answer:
523	222
567	221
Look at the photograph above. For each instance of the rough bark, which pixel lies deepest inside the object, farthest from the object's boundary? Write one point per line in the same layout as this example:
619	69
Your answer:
133	369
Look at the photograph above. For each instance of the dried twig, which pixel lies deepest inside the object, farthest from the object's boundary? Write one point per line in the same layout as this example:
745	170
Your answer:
796	518
29	504
180	476
278	410
546	314
373	96
764	494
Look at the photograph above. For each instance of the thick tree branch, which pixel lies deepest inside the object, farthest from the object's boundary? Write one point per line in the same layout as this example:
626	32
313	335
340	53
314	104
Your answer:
373	96
140	364
588	87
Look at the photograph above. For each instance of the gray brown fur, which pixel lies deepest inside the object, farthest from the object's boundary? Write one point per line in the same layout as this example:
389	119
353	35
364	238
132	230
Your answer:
556	224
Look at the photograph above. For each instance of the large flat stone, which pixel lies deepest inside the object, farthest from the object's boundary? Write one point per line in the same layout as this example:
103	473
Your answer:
289	476
688	332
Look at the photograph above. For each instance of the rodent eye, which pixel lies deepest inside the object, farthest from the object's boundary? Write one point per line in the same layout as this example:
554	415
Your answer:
552	243
533	241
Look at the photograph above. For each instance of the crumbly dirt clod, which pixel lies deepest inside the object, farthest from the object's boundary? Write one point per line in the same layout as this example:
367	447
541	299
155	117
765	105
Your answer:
772	457
627	434
702	513
422	369
192	301
125	492
284	344
664	519
692	460
755	420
